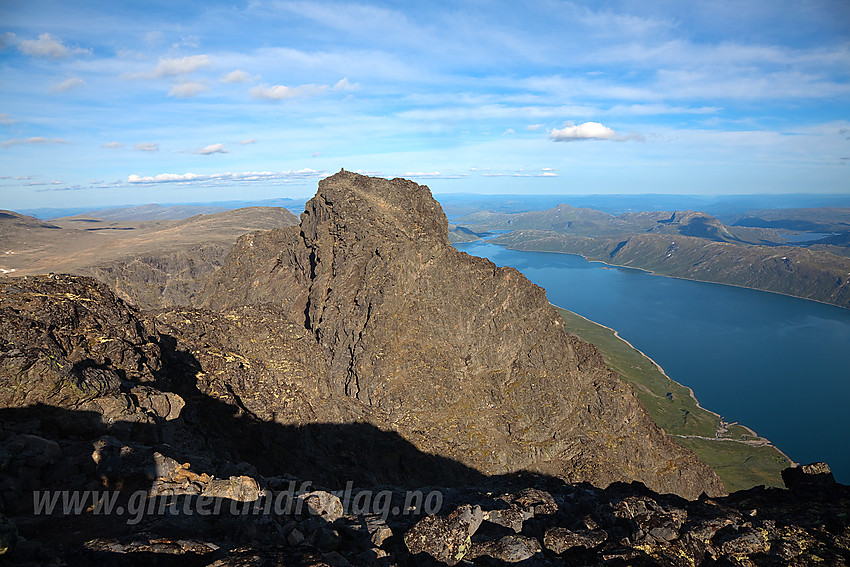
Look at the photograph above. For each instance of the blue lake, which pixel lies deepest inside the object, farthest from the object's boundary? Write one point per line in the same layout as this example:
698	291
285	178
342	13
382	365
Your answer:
777	364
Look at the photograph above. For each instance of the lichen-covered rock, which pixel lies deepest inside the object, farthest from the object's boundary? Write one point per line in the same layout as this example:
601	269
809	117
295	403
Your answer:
8	535
447	539
511	517
322	504
66	341
807	476
238	488
559	539
510	549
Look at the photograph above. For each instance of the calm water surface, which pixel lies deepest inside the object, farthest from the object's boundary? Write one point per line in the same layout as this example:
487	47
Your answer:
777	364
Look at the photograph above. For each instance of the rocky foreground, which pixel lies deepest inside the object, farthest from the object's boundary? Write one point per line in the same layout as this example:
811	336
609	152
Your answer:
355	391
168	514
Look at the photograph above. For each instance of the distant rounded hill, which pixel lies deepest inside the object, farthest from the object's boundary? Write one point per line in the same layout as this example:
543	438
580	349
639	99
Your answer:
151	212
150	263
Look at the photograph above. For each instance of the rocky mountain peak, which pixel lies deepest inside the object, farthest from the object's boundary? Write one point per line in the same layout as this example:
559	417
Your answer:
352	205
462	358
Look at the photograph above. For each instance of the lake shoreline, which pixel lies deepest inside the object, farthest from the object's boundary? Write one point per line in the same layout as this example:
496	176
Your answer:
723	424
589	260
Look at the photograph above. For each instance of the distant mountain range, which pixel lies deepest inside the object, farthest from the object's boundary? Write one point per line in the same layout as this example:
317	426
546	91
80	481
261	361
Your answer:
725	207
753	252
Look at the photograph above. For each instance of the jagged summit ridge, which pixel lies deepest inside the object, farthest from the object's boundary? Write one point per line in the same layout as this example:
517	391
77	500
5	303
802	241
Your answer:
396	208
461	357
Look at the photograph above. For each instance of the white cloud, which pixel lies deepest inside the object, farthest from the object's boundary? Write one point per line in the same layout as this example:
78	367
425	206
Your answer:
174	67
153	38
162	178
47	46
585	131
212	149
227	177
239	76
187	90
534	127
249	141
146	147
112	145
281	92
6	120
67	85
432	175
190	41
344	85
508	131
38	140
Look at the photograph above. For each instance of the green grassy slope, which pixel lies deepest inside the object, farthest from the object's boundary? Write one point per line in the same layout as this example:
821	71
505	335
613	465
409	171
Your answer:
739	464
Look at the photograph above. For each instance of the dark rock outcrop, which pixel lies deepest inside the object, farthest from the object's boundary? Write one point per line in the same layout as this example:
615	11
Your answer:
460	357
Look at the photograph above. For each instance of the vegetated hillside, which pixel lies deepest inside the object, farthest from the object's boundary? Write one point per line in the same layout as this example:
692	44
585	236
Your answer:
149	263
12	225
465	360
459	234
808	220
810	274
573	221
560	218
151	211
739	457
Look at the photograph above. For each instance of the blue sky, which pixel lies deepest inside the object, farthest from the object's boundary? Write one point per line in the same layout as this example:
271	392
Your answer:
106	103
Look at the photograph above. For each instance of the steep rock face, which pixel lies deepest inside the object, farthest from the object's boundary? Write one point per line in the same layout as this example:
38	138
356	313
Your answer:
465	359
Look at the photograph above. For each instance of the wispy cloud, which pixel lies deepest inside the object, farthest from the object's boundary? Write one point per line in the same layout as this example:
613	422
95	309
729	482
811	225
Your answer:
174	67
247	176
212	149
282	92
433	175
344	85
545	172
187	90
248	141
239	76
146	147
36	140
67	85
47	46
112	145
6	120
